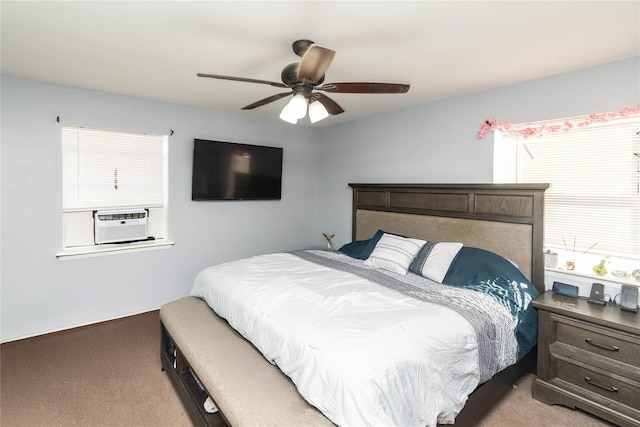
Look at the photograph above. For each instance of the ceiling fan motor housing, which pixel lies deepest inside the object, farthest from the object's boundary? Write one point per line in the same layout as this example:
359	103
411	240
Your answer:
290	76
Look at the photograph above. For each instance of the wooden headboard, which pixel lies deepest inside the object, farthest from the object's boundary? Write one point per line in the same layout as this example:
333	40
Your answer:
504	218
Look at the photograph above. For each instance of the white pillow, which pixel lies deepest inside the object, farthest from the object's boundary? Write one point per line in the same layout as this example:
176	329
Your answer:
394	253
434	259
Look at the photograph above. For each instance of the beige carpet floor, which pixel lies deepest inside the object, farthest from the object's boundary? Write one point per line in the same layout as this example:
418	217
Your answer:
109	374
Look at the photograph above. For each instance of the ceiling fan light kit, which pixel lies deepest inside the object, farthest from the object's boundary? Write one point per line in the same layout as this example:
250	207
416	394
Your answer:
317	111
288	116
306	76
295	109
298	106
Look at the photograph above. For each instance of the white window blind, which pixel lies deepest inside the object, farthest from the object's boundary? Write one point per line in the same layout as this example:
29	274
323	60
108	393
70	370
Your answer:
594	177
109	169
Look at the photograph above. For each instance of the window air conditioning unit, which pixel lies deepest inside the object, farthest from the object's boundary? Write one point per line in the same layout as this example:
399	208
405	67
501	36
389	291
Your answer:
118	226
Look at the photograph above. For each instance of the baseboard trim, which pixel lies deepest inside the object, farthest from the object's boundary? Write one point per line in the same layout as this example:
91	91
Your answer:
65	329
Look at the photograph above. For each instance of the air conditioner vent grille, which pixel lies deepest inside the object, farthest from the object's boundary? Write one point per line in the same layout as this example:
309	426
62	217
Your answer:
116	216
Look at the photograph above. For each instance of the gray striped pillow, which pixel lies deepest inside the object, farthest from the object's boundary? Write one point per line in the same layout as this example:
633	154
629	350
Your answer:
394	253
434	259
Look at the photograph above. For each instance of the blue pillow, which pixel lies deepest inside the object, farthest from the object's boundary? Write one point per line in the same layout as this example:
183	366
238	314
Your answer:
484	271
354	248
361	249
472	265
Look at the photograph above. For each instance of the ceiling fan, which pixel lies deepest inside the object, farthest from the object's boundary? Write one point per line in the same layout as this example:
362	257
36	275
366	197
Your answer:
305	80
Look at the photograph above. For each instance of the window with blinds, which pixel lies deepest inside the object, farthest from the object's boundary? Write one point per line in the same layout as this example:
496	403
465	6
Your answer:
111	170
594	177
108	169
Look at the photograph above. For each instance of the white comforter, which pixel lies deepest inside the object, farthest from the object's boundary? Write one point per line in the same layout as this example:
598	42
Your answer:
361	353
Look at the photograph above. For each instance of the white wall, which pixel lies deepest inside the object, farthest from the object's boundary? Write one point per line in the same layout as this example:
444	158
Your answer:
41	294
431	143
437	143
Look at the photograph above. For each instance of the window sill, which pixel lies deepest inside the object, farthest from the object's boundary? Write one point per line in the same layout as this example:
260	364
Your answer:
112	249
594	277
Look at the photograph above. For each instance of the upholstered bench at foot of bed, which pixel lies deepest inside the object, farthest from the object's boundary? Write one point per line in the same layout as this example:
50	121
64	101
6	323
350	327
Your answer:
248	390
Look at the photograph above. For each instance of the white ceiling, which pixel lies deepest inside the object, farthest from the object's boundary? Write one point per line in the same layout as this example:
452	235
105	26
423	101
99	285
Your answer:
153	49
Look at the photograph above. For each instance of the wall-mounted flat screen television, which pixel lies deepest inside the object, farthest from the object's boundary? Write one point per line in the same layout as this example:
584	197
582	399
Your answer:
233	171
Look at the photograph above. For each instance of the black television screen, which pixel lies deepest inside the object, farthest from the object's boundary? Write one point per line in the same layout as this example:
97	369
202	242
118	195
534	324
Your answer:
232	171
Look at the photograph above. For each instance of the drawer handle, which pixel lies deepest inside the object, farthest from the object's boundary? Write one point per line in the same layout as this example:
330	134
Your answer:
612	389
606	347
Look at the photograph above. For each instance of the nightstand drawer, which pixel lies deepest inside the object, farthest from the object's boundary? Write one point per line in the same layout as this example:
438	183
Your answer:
605	342
626	392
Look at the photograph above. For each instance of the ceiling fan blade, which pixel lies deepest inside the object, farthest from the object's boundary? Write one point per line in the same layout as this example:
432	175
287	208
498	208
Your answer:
242	79
315	62
361	87
266	100
332	107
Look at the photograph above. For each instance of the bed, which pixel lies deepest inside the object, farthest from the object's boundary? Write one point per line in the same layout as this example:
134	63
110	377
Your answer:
378	366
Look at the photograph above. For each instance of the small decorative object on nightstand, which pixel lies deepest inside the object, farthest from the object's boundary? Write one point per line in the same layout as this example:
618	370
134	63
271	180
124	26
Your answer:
600	269
329	242
588	358
629	298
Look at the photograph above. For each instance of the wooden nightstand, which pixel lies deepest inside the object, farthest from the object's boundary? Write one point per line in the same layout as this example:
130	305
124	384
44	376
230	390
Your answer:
589	358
